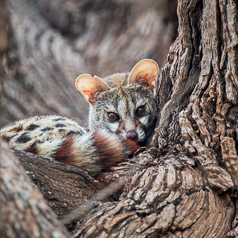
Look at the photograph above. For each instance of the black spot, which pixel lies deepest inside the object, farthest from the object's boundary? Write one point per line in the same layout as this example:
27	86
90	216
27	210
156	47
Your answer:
23	138
61	130
60	119
32	127
47	129
74	133
59	125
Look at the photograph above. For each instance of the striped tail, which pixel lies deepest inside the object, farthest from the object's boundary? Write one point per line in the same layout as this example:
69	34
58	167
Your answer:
94	152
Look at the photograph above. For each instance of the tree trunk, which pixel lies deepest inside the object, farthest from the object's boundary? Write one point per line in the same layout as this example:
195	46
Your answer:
56	180
186	184
189	191
24	213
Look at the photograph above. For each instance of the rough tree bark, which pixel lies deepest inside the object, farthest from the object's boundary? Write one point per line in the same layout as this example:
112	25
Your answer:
186	185
24	213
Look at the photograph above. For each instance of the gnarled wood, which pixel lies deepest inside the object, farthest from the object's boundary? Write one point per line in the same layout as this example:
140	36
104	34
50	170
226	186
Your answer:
24	213
169	199
64	187
197	110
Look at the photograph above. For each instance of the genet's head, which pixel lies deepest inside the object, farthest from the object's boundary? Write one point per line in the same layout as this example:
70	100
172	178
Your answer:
124	104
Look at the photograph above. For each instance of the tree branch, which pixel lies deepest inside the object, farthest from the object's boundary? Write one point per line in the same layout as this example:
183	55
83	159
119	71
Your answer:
24	212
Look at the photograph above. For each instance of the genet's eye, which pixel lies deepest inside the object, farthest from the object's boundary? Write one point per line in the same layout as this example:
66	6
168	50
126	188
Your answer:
112	116
140	111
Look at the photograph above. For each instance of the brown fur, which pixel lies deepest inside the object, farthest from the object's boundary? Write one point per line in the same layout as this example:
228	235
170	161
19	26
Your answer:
66	153
16	129
131	146
110	152
32	149
7	138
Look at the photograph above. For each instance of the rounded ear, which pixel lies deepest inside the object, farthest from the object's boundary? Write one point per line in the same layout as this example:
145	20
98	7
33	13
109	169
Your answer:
145	72
89	85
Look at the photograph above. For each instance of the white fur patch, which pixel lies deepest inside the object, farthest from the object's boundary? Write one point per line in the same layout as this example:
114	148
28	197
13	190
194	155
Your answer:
113	126
144	120
141	134
47	148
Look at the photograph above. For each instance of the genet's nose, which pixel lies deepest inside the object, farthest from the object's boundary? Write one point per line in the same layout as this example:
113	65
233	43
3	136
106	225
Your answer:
132	135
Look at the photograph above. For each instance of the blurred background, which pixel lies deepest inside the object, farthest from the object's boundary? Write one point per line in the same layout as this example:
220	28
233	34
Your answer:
51	42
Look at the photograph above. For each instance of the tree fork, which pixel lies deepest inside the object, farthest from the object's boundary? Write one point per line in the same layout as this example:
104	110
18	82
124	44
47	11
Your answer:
188	186
201	81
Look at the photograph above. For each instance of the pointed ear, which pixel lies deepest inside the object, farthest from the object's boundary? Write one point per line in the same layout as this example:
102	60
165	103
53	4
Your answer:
89	85
145	72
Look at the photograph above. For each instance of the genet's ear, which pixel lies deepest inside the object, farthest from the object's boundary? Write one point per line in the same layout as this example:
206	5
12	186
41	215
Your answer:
89	85
145	72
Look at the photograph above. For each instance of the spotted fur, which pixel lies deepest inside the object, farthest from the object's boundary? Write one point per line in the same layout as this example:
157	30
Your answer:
90	151
106	143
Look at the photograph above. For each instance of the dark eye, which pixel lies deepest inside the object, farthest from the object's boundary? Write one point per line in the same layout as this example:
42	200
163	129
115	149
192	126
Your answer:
112	116
140	111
